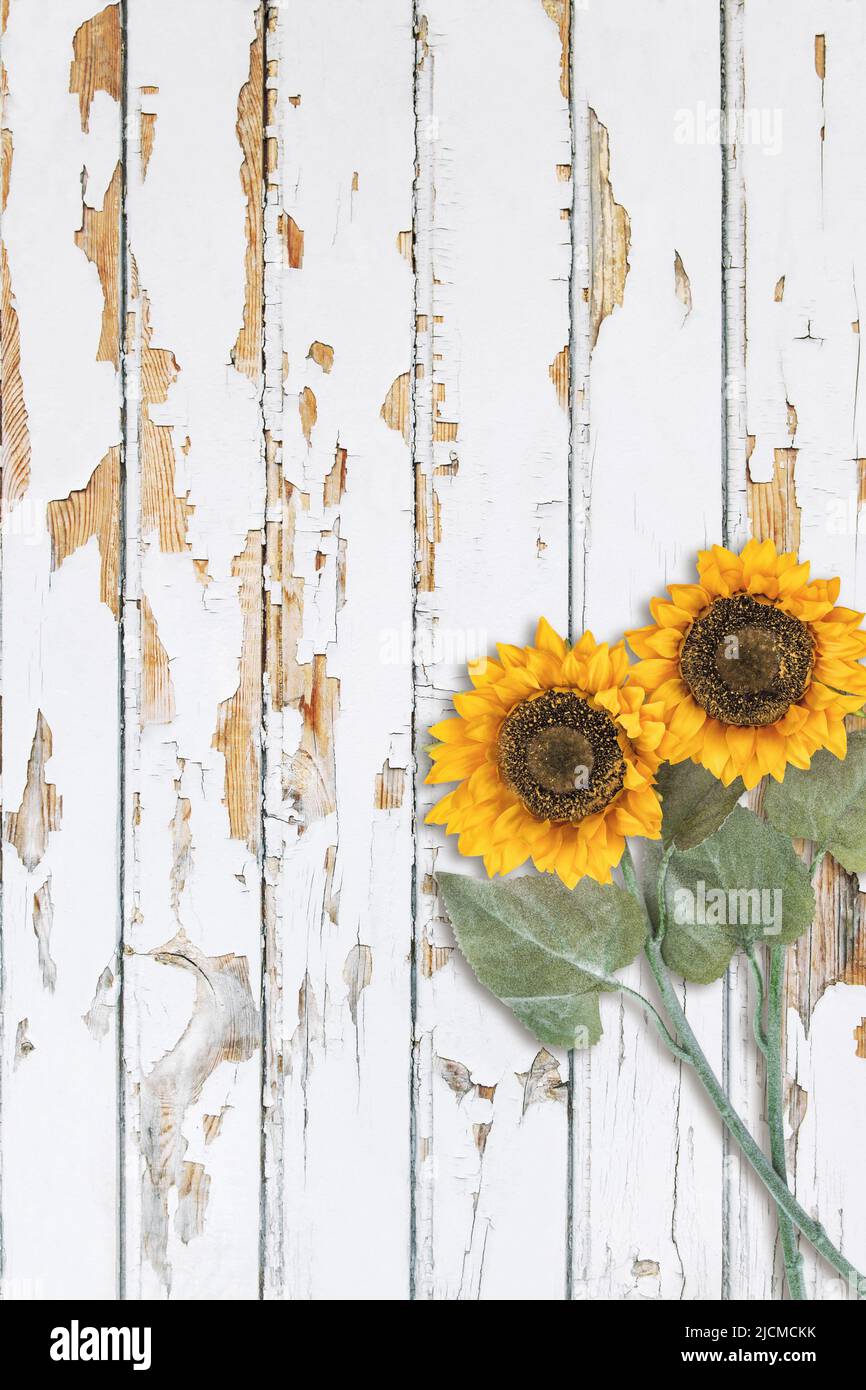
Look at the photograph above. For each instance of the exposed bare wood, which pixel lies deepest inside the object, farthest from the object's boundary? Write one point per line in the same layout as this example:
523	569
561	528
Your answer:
611	231
560	12
23	1044
396	406
193	1191
682	285
335	481
313	771
308	412
41	808
834	952
93	510
99	239
212	1124
774	513
146	136
247	351
559	375
6	142
157	691
97	1020
293	240
237	734
181	851
357	973
223	1027
14	429
390	788
96	61
433	958
543	1081
43	920
821	56
425	565
322	354
162	510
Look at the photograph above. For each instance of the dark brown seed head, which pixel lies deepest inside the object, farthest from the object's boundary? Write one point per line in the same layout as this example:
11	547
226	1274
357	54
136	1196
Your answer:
746	662
561	756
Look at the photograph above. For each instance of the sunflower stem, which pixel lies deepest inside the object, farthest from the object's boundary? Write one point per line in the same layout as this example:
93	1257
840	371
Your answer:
777	1188
630	876
760	996
775	1116
667	1037
660	894
776	1184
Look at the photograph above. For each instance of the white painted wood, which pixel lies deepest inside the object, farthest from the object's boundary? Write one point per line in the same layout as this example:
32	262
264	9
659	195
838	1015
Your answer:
493	252
648	494
193	915
359	284
59	1118
340	305
806	214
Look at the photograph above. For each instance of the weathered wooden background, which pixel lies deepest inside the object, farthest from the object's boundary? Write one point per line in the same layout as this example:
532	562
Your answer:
340	340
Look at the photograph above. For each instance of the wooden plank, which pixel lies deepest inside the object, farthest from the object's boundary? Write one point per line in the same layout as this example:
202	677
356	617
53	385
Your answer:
340	303
192	629
60	552
805	202
491	466
648	494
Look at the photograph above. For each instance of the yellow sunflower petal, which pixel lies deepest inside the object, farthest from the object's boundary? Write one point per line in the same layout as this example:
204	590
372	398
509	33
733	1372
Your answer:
548	640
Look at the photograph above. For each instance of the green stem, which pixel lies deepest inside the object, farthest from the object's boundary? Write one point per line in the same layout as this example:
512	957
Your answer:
758	1017
775	1116
776	1185
630	876
669	1041
769	1042
660	893
779	1191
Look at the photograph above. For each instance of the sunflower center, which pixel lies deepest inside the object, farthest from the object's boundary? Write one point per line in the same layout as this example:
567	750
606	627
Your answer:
746	662
560	759
561	756
749	660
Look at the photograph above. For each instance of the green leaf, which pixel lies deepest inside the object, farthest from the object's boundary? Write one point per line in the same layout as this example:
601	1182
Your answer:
743	885
826	804
694	803
544	951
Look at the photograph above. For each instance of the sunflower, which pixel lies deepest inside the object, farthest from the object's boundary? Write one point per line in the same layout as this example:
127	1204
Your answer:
754	666
555	755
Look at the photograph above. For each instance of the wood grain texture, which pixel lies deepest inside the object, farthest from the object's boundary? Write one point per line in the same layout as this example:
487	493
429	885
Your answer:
647	494
347	358
61	417
804	437
338	577
194	524
493	262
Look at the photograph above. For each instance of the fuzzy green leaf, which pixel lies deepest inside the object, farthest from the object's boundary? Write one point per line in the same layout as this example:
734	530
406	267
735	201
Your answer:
694	803
826	804
743	885
544	951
